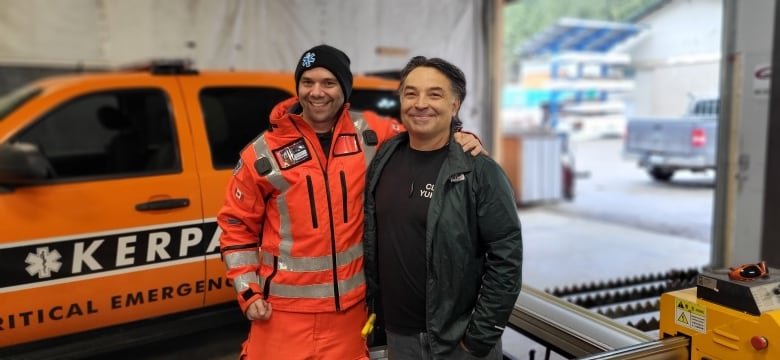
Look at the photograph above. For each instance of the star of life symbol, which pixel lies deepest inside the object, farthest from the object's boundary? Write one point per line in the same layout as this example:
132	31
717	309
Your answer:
43	262
308	59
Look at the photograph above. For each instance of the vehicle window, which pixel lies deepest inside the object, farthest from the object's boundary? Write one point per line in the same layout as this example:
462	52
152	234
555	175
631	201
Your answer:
714	107
698	109
127	132
706	107
11	101
235	116
383	102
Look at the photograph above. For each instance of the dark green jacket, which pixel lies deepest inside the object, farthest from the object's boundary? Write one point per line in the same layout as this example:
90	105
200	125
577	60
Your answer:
473	245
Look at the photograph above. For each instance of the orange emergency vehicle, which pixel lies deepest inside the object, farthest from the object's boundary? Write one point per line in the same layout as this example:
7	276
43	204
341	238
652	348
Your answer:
109	188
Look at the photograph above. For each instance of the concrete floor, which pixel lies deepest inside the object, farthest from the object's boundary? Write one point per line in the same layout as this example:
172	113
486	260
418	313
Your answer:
561	250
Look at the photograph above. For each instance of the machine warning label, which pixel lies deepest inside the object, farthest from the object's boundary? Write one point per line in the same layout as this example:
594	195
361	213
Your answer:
690	315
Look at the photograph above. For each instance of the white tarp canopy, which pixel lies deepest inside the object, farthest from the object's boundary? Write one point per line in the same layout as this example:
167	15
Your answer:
251	34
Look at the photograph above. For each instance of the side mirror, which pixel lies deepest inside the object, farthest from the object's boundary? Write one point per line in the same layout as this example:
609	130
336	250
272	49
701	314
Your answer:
21	164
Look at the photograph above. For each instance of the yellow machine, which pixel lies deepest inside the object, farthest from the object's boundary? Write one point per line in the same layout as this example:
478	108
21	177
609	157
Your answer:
727	317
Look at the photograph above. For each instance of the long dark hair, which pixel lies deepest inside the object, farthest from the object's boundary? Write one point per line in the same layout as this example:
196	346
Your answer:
452	72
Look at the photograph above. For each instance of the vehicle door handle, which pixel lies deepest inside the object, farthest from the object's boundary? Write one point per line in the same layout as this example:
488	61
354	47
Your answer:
162	204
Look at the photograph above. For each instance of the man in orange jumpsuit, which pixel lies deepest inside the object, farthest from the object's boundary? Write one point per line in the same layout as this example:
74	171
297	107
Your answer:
292	221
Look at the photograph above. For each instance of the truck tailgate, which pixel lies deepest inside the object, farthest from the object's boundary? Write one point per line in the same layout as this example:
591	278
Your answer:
668	136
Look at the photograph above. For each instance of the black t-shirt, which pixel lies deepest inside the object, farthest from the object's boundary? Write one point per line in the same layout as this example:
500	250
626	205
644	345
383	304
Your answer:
403	195
325	140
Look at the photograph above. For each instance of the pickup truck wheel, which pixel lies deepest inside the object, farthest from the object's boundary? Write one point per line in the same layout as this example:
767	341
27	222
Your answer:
661	174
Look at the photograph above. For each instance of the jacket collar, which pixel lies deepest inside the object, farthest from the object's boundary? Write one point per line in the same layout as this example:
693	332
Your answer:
458	161
286	116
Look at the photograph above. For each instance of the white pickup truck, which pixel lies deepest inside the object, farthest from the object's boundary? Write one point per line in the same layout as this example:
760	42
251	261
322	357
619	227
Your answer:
665	145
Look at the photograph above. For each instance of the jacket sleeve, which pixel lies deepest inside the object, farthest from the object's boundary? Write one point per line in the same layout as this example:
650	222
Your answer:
500	234
240	220
385	127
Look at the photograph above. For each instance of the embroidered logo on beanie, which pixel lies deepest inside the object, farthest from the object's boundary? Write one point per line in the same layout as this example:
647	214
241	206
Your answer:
330	58
308	59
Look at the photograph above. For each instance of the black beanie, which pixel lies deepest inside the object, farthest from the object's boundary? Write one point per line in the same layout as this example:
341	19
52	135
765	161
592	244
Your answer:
330	58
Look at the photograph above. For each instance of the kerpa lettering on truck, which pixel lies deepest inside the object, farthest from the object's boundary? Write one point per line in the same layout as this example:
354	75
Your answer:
87	258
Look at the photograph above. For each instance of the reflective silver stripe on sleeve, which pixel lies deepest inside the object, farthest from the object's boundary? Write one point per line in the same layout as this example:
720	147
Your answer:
318	263
241	282
281	185
242	258
285	229
318	290
360	126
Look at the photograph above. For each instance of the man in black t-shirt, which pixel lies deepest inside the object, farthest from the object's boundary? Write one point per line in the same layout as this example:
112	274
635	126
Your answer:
443	246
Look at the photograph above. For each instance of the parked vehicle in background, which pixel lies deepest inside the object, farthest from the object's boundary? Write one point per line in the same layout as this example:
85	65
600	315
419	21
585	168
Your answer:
593	120
109	188
666	145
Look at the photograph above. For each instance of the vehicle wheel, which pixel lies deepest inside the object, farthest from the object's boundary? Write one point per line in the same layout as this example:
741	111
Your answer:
661	174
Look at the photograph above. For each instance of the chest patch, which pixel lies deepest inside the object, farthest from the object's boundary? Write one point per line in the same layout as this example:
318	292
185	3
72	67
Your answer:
292	154
346	144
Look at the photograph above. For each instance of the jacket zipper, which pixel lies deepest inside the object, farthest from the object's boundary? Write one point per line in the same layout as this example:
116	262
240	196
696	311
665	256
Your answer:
267	284
312	205
344	194
332	244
